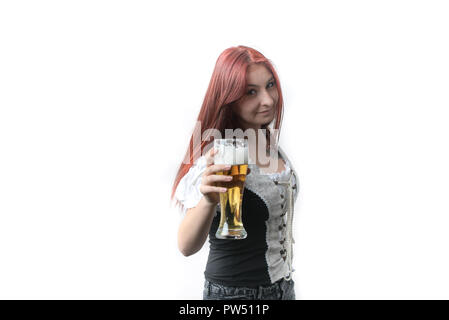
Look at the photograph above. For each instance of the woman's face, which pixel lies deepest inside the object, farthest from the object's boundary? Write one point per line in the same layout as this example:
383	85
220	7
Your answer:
257	106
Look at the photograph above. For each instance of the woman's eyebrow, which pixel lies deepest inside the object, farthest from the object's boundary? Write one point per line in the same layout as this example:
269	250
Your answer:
255	85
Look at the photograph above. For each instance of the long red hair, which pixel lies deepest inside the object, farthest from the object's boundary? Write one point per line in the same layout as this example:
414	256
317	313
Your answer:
227	86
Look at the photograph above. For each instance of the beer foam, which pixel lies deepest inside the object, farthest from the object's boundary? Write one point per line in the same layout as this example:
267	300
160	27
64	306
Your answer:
231	155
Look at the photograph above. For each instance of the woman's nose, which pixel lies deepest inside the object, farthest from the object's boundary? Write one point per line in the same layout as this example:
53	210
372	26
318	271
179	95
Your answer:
266	98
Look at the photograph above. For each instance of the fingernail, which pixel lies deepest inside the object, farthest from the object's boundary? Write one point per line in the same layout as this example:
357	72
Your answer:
223	189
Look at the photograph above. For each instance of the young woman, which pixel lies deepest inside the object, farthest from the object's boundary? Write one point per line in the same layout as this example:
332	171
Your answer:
244	93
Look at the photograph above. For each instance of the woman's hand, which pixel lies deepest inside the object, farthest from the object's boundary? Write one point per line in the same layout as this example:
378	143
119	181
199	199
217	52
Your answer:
213	184
209	186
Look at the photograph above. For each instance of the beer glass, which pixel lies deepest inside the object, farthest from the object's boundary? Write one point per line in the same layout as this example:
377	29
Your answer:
233	152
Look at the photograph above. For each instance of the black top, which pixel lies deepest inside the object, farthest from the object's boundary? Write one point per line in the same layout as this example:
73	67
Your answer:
241	262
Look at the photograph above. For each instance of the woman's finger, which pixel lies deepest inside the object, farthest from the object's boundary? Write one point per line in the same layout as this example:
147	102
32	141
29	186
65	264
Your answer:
217	178
205	189
210	156
217	168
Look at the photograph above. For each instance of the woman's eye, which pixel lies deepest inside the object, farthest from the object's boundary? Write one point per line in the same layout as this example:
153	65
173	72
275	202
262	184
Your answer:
270	85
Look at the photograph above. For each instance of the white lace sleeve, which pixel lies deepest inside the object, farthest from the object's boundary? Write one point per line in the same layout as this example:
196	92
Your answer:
188	190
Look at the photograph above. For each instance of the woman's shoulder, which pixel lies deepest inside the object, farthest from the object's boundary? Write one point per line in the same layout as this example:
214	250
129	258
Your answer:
197	167
200	163
284	156
188	189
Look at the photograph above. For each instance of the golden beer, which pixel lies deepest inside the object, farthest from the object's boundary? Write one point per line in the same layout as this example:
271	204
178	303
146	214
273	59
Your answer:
232	151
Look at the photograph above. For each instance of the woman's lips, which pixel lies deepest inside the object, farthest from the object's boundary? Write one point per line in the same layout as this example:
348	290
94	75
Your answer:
265	112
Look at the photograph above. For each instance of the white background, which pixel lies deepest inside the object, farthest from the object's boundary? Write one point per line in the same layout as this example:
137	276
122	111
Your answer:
98	100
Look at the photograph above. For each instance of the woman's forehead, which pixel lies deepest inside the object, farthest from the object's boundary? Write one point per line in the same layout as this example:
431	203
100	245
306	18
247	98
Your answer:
258	75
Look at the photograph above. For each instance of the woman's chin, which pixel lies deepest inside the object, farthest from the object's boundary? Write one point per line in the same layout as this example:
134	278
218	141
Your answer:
268	120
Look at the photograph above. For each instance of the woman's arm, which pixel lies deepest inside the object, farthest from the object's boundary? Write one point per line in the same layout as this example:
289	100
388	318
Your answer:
195	226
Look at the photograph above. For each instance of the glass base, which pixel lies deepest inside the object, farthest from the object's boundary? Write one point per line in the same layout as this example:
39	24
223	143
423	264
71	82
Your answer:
238	234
